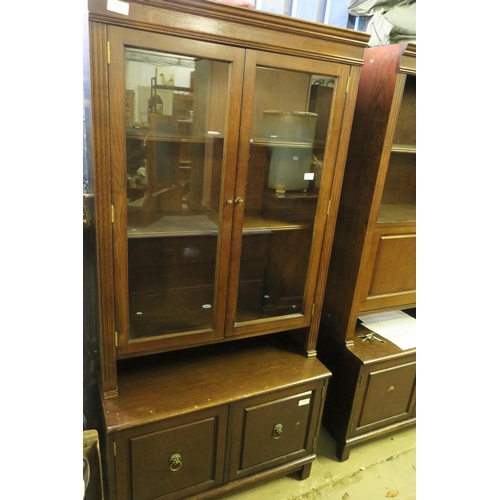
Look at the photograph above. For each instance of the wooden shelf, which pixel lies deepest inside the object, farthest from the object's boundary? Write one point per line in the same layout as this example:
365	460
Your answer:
258	141
200	225
148	135
397	214
255	224
404	148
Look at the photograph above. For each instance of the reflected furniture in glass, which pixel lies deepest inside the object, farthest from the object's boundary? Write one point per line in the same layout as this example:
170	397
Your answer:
373	262
220	137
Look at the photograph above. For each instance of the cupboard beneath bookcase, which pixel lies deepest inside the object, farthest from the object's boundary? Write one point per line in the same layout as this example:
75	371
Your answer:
373	261
216	202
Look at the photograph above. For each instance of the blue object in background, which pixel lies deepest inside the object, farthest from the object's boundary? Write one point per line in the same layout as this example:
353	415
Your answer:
332	12
336	13
273	6
311	10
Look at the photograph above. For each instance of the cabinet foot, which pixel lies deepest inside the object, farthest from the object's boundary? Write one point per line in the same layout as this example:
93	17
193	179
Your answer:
305	472
343	452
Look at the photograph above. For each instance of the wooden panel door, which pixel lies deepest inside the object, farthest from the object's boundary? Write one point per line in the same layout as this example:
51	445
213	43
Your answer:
271	430
386	395
391	271
172	459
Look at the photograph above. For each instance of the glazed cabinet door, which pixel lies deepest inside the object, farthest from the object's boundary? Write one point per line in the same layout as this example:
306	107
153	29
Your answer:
223	162
292	112
174	104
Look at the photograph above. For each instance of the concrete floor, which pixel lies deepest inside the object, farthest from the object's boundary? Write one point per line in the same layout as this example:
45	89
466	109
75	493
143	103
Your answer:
384	468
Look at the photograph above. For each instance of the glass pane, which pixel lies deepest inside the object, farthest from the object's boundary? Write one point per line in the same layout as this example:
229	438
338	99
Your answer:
289	125
175	111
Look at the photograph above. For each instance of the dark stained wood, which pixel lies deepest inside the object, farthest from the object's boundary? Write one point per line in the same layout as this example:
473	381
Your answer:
406	127
194	380
333	204
377	106
181	382
373	389
373	261
257	385
274	429
143	464
101	140
251	28
390	278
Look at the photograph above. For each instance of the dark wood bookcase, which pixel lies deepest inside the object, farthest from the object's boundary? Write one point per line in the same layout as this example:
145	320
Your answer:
373	261
211	278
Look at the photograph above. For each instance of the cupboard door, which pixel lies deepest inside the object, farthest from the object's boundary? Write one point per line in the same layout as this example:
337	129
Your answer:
174	459
173	106
386	395
391	277
270	430
291	119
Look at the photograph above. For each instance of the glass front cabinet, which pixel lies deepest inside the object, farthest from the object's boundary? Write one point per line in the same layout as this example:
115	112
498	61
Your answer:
220	136
221	178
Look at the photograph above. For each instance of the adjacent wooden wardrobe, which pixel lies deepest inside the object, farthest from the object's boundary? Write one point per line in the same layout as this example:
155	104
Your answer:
373	263
220	136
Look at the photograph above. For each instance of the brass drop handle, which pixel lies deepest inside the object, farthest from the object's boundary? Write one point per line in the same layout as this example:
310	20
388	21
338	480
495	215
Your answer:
239	201
277	431
175	462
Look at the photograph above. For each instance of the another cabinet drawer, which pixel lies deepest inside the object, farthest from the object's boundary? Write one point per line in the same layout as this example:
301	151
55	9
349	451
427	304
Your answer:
274	429
174	458
386	395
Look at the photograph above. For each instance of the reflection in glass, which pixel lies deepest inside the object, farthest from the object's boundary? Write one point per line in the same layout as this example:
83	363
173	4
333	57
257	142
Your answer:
175	108
290	117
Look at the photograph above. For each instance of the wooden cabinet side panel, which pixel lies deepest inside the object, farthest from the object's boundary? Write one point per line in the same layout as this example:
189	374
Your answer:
102	163
255	446
379	94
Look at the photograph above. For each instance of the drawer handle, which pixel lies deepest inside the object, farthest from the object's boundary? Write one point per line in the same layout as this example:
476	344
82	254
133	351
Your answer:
277	431
175	462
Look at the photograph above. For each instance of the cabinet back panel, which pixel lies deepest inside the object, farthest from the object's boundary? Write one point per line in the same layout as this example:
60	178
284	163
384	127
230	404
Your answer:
406	125
400	183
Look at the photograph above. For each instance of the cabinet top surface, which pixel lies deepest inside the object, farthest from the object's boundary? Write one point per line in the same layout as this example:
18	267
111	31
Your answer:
375	352
156	387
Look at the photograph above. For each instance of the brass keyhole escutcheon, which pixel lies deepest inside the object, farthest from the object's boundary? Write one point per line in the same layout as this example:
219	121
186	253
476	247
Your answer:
277	431
175	462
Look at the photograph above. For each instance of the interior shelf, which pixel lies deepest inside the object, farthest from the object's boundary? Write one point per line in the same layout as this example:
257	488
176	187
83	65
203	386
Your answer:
404	148
202	225
397	214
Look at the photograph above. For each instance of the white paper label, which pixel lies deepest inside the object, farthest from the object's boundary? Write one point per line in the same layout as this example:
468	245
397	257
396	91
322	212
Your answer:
303	402
296	158
309	176
118	6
